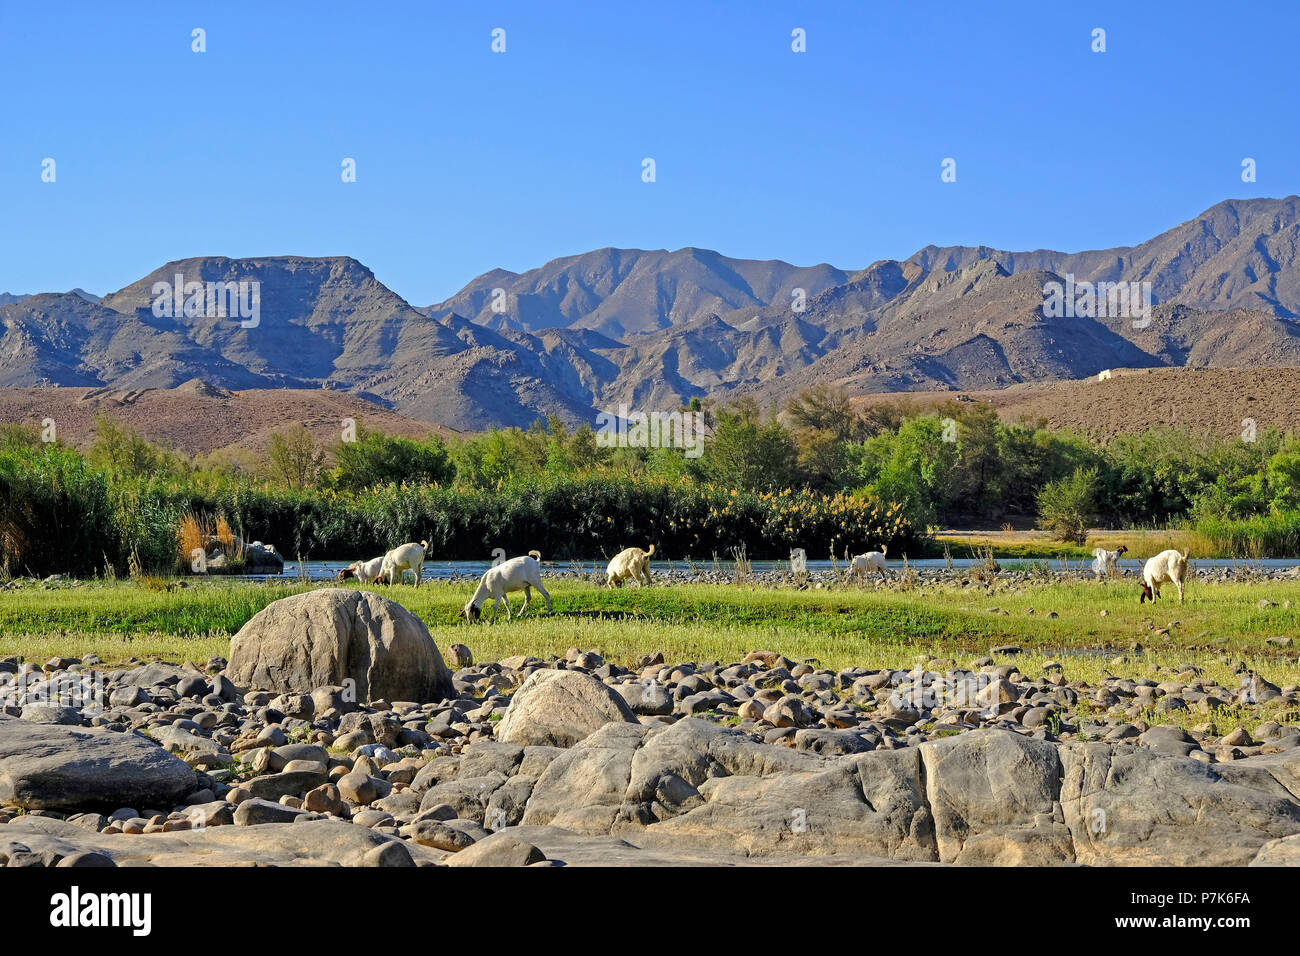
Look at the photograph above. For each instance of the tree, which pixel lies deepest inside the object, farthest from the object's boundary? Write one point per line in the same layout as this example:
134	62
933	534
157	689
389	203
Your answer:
1067	507
375	459
1283	476
824	408
823	420
123	452
979	473
747	452
295	457
912	467
488	459
884	417
582	450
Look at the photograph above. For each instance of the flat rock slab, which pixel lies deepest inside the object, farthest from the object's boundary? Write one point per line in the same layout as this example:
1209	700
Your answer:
580	849
314	843
56	767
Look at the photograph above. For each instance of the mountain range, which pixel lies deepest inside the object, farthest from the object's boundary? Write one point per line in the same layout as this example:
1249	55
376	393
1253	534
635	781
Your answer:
654	329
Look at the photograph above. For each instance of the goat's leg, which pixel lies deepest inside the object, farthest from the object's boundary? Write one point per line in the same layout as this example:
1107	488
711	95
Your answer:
528	597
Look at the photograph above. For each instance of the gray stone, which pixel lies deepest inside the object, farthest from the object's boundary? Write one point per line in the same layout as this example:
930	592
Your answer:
438	835
255	811
53	767
831	742
1141	806
309	842
560	708
647	698
468	796
52	714
87	859
392	853
328	636
499	849
994	798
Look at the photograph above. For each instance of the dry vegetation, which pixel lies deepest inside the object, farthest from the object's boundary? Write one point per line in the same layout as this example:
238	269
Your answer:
1133	400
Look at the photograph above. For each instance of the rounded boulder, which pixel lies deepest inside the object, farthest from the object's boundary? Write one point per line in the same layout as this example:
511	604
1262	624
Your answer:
338	637
559	708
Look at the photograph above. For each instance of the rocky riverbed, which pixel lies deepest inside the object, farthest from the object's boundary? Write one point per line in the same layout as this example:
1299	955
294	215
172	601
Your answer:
336	733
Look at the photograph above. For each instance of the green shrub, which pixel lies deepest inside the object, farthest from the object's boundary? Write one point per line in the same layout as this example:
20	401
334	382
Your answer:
1067	507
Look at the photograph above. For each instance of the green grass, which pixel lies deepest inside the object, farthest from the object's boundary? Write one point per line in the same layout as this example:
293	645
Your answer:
843	627
1005	547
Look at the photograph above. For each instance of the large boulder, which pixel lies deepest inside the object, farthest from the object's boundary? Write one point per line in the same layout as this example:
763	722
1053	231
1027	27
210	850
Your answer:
716	787
560	708
584	788
995	799
1145	808
54	767
340	637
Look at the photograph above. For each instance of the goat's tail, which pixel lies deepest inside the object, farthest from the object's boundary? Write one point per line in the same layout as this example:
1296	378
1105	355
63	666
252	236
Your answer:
651	551
535	555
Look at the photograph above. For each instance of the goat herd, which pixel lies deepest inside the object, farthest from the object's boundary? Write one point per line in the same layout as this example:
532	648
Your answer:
1167	566
525	573
517	574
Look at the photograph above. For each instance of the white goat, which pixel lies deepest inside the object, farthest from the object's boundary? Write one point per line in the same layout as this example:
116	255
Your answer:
871	561
408	557
516	574
1107	562
1168	565
629	563
367	572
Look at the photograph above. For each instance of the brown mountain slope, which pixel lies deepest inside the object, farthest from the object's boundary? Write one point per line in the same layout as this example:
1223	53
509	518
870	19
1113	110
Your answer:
1130	401
330	322
198	418
625	291
1238	253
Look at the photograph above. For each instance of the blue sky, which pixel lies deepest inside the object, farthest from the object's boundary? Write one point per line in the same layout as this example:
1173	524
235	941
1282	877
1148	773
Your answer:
469	160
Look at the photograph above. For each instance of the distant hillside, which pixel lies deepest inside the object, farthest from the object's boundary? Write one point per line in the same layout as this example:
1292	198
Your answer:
8	297
1214	401
656	328
197	417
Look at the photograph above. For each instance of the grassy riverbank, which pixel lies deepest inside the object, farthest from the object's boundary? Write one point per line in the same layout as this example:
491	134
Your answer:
1220	625
1039	545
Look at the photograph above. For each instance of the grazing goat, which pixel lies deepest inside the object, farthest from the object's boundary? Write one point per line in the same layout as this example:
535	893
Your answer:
517	574
1168	565
409	557
629	563
871	561
367	572
1107	562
